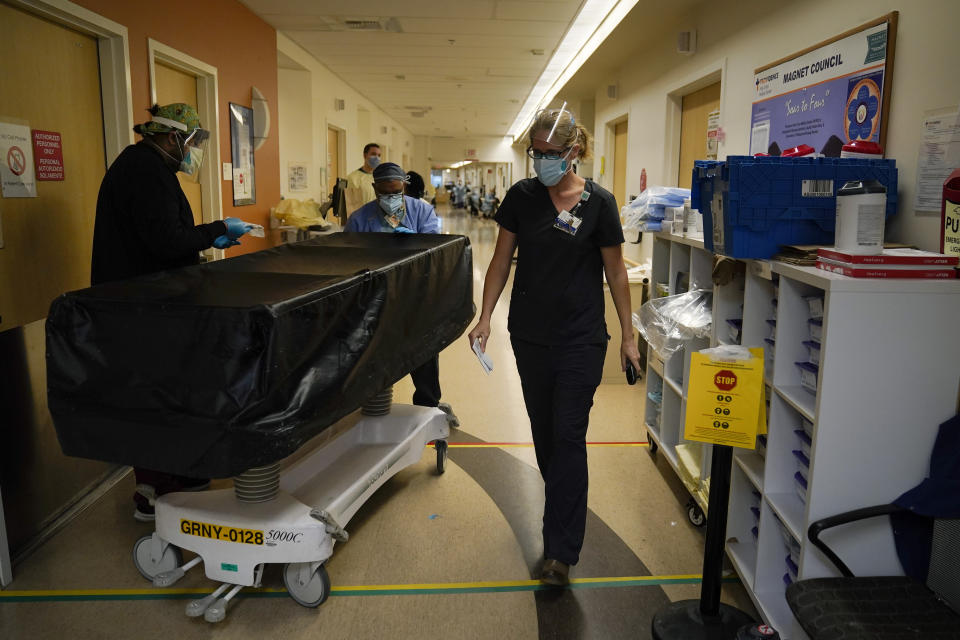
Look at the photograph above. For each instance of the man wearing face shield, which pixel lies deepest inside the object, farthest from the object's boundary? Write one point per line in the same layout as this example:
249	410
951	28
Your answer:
394	212
144	224
568	237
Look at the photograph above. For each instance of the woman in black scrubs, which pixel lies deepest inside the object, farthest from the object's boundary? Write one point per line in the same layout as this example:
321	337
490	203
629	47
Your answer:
568	234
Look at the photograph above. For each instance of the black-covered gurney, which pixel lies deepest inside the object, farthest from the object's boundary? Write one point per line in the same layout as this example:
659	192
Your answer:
210	370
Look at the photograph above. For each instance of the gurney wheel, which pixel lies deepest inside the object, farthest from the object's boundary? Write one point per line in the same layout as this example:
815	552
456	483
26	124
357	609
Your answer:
311	594
695	514
441	446
170	560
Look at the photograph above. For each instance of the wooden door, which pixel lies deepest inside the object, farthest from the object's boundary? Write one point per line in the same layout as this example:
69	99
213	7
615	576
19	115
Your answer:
173	85
620	163
51	82
54	85
333	157
693	129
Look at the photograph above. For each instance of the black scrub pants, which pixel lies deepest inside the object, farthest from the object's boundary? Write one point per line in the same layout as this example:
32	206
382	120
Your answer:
426	383
558	387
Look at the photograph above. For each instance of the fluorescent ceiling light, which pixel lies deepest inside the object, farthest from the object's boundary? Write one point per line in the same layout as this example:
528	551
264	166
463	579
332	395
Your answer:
596	20
462	163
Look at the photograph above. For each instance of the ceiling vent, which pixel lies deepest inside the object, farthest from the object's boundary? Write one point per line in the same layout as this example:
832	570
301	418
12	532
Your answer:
372	24
363	25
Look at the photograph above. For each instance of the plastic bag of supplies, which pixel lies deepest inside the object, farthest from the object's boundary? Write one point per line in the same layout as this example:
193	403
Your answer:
666	323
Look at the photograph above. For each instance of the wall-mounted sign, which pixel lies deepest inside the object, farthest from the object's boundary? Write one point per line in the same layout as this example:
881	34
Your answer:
17	176
48	155
297	176
828	95
713	131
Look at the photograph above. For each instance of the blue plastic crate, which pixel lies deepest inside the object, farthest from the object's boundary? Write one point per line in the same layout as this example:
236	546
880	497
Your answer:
752	206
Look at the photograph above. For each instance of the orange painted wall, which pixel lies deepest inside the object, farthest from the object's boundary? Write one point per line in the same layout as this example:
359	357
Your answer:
243	48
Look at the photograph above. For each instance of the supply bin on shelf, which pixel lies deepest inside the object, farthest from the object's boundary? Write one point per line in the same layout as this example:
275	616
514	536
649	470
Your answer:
815	305
735	329
751	205
816	329
805	442
801	485
808	376
813	351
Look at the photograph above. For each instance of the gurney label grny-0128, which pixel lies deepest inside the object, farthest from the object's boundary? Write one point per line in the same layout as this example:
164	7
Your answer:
218	532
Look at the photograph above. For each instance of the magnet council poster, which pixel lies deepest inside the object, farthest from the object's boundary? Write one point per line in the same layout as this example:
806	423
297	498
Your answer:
824	97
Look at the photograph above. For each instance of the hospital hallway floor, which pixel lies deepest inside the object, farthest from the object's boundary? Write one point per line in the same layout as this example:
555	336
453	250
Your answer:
429	556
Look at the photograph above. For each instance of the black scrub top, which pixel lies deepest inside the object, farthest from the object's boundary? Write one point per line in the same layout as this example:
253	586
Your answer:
144	223
557	294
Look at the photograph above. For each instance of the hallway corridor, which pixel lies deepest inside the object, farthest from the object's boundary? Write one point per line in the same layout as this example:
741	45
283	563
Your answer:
428	556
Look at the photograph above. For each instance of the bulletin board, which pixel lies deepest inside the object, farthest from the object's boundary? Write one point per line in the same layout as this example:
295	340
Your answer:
827	95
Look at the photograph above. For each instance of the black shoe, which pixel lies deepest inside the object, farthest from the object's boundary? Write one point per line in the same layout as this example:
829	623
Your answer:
555	573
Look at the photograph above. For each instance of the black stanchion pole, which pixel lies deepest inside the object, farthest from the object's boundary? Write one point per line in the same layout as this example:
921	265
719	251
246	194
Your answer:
708	618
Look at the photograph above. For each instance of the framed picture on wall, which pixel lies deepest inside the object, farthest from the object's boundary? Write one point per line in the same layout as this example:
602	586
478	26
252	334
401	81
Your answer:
241	152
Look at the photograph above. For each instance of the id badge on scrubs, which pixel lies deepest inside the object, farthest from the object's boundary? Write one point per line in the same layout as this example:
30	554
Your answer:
568	222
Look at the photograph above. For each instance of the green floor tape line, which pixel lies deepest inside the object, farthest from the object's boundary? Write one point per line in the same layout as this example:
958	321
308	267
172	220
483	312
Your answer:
87	595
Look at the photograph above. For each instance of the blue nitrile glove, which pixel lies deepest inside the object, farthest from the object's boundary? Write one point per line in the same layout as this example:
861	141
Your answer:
223	242
236	227
399	229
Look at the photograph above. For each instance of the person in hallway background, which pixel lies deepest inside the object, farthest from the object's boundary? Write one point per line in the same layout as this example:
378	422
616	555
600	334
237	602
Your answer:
361	180
415	186
568	235
459	195
144	224
394	212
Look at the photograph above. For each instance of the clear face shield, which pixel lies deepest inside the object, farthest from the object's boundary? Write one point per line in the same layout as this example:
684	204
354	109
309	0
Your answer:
555	137
550	147
194	152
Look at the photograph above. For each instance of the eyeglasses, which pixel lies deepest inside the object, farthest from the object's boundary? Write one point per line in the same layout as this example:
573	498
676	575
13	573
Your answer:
547	155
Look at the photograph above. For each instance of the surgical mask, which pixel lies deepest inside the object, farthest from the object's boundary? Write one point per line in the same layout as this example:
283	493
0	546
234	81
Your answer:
191	162
392	204
550	170
373	161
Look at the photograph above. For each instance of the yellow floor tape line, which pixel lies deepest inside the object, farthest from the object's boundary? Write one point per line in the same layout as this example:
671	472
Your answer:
360	590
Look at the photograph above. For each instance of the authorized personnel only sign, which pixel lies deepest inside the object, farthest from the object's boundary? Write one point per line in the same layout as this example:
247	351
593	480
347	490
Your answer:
48	155
725	400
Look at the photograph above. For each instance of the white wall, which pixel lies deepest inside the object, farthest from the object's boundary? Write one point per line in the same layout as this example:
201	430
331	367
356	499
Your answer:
306	109
737	37
296	131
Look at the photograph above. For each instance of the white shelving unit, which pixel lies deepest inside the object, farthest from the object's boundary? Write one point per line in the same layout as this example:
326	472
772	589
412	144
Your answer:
888	376
682	264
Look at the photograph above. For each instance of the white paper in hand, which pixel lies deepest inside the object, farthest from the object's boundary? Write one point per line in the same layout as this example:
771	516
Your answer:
257	231
484	359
